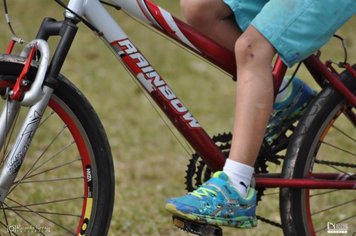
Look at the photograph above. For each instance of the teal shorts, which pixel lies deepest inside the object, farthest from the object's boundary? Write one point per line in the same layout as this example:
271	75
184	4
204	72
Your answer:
296	28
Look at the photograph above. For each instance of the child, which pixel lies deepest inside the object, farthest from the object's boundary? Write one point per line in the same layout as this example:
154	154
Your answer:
256	30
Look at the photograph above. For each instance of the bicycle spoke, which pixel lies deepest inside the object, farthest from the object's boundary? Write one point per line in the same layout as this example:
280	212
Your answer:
6	226
325	192
50	180
44	119
340	149
345	219
45	171
54	168
344	133
63	149
341	171
5	217
25	220
333	207
43	152
40	215
45	203
45	212
25	176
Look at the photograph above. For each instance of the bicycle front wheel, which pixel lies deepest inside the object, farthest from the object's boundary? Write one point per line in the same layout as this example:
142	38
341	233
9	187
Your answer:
323	147
65	185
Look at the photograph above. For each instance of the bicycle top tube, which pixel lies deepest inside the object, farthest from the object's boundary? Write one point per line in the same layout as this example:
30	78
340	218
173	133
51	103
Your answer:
162	20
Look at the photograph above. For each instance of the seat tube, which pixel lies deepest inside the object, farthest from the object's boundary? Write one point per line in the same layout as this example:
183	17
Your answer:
279	71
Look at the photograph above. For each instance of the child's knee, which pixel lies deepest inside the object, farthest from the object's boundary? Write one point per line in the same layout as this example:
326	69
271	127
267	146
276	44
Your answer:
253	48
244	50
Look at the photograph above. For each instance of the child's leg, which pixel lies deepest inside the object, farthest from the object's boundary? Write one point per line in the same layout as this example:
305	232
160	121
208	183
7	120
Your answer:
218	201
254	96
254	99
212	18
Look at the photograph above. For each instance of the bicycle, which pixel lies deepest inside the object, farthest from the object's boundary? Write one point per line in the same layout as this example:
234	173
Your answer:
79	145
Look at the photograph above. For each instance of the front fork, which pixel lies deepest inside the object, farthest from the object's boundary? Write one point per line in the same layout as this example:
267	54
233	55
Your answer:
36	98
15	157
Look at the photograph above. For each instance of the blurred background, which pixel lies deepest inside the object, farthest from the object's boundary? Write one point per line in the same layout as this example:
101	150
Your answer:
149	162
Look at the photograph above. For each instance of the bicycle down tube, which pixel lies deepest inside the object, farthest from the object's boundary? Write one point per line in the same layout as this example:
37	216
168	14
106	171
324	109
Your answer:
153	82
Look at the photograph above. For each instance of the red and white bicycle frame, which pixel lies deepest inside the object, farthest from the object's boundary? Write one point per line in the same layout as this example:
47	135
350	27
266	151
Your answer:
163	95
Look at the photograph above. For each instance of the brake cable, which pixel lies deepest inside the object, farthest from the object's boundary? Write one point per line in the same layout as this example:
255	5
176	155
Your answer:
8	21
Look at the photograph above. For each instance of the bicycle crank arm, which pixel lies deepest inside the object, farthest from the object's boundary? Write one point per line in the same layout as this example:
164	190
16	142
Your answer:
15	158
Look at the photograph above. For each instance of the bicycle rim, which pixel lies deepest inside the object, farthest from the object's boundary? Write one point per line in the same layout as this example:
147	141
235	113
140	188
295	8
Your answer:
56	191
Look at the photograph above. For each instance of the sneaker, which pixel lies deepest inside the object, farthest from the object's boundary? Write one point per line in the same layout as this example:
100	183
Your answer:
216	202
289	111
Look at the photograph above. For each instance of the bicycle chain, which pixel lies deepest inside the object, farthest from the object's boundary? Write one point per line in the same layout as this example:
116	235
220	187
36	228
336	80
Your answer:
333	163
268	221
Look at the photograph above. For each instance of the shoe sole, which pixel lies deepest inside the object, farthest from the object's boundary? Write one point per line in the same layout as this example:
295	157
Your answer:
242	222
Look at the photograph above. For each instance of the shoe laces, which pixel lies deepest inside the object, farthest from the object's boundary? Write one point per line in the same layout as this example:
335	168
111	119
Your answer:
204	191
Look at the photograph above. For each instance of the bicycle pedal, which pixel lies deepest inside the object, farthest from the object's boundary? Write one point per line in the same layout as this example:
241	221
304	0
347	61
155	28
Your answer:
197	228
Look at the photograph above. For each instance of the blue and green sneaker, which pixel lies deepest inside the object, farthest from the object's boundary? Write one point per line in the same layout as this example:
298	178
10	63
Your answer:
290	110
216	202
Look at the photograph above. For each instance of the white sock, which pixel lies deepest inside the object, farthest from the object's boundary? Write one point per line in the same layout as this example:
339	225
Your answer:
239	174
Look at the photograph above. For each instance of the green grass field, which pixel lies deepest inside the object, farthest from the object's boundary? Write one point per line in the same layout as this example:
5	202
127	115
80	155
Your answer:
149	162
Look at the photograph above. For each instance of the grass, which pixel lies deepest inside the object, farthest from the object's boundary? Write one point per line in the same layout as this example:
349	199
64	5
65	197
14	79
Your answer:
149	162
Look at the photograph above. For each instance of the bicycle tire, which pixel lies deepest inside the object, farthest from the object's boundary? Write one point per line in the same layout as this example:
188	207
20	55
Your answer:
66	184
316	138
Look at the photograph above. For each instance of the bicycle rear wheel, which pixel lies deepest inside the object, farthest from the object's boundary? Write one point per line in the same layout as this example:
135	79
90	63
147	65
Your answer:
65	185
323	146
